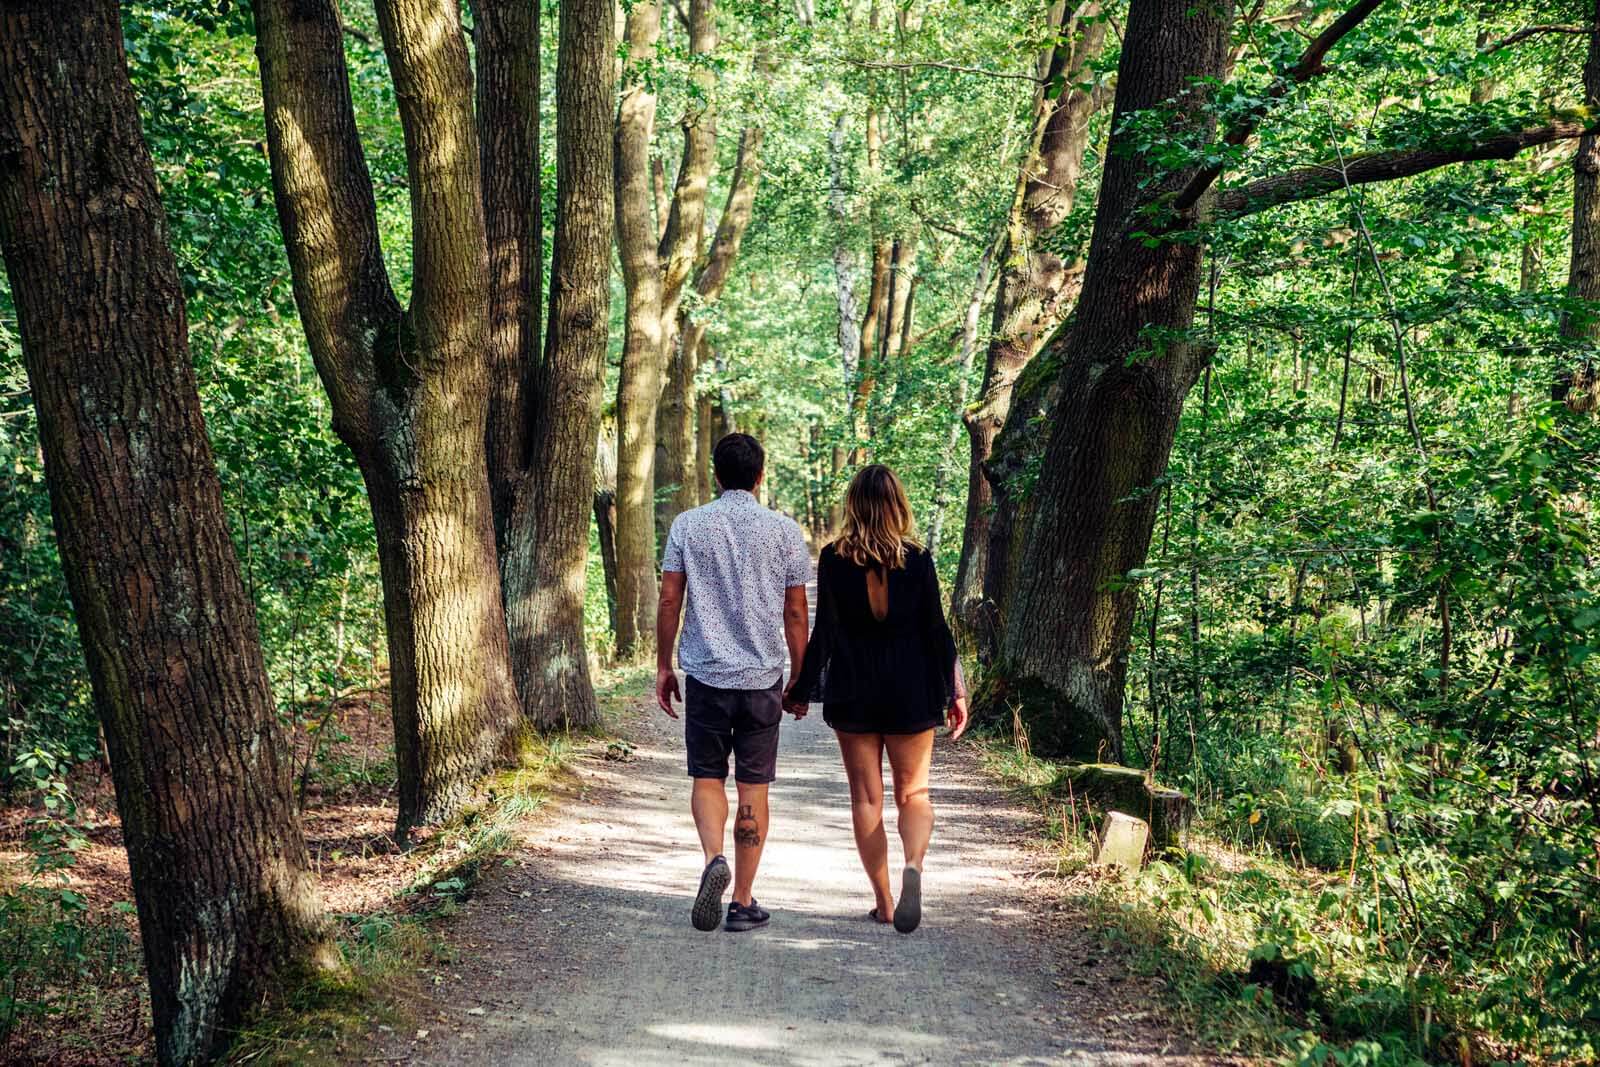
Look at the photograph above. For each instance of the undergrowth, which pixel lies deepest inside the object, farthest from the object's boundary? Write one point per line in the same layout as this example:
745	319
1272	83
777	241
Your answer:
388	953
1266	953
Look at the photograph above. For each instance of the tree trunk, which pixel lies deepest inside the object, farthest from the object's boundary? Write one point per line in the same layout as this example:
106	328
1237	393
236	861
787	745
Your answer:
969	347
896	335
605	513
507	55
550	522
1113	424
226	902
409	388
708	284
845	298
639	380
1578	385
681	246
1035	287
703	435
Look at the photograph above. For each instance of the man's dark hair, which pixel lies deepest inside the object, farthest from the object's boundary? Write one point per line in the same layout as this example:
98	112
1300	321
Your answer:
738	460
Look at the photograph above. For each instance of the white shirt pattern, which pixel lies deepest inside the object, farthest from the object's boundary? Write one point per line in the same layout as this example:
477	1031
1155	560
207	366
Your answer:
738	560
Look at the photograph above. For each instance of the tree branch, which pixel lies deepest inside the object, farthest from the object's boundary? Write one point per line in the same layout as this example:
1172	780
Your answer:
1308	67
1307	183
934	64
1525	33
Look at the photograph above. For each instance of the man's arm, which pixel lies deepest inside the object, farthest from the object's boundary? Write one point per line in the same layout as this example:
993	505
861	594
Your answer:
668	610
796	621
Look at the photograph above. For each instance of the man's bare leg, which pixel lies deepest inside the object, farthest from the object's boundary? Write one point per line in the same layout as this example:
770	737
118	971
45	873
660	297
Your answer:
709	803
749	838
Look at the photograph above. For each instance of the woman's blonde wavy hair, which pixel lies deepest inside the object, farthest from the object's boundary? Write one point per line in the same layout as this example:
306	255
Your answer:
878	524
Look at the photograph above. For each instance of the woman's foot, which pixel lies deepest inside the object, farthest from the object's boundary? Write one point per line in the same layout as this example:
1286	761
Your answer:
877	915
908	913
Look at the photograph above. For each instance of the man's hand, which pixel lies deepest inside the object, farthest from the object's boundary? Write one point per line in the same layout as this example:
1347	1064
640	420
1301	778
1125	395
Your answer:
666	689
794	705
956	718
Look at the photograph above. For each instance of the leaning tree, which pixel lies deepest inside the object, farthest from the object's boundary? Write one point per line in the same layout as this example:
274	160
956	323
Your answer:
226	902
1111	386
476	447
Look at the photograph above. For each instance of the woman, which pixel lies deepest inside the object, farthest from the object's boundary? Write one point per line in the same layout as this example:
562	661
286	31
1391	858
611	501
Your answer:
883	664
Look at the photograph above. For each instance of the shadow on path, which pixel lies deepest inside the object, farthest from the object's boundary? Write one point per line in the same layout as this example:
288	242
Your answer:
585	954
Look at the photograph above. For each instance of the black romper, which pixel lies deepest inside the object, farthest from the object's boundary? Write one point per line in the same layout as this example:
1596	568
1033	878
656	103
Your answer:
891	676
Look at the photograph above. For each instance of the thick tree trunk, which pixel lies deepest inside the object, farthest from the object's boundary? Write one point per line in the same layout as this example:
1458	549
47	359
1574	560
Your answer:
507	55
550	525
1035	288
226	902
680	249
1578	385
409	389
1113	424
639	380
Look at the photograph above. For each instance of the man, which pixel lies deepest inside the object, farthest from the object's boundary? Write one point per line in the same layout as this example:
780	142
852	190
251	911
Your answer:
744	570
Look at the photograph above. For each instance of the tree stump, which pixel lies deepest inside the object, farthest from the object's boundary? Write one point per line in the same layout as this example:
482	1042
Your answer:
1123	839
1109	787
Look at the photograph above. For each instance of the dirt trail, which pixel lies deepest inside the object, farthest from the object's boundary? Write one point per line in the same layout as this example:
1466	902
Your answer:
584	953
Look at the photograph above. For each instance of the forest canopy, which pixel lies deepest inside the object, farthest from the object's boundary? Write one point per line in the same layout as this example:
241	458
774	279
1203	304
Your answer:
1238	359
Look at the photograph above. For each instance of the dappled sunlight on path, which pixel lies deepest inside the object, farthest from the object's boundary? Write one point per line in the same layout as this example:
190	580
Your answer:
586	954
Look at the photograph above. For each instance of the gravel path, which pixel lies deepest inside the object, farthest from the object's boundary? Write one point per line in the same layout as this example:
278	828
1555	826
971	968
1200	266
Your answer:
582	952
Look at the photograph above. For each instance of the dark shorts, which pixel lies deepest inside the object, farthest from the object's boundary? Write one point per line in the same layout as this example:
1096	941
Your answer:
741	721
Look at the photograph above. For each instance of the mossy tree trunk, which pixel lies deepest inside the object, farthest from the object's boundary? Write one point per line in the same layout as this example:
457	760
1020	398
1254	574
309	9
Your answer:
1035	288
1120	369
226	902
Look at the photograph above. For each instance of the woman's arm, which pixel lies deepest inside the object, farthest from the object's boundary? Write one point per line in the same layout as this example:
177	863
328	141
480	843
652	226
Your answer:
942	645
802	687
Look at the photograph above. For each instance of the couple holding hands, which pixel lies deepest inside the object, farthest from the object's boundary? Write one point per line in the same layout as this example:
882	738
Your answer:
880	660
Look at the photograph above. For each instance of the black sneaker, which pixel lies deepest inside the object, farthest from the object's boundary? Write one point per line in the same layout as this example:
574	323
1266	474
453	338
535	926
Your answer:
743	917
708	902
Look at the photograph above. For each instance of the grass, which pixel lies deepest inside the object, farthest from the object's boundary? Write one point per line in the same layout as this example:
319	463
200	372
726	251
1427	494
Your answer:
1198	919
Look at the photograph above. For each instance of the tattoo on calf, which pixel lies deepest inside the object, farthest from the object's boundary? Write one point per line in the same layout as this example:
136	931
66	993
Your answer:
745	830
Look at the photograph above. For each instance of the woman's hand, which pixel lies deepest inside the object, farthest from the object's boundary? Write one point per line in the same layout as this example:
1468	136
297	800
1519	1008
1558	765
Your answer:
956	718
795	705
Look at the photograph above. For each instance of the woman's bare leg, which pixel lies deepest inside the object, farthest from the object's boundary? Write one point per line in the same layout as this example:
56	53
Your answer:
863	766
909	758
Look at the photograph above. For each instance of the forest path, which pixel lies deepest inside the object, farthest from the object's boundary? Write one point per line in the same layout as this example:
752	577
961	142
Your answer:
583	953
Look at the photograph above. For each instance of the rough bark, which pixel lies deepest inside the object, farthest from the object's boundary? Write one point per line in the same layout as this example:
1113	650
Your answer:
1112	427
639	380
506	35
550	521
409	388
1577	385
226	903
1035	287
